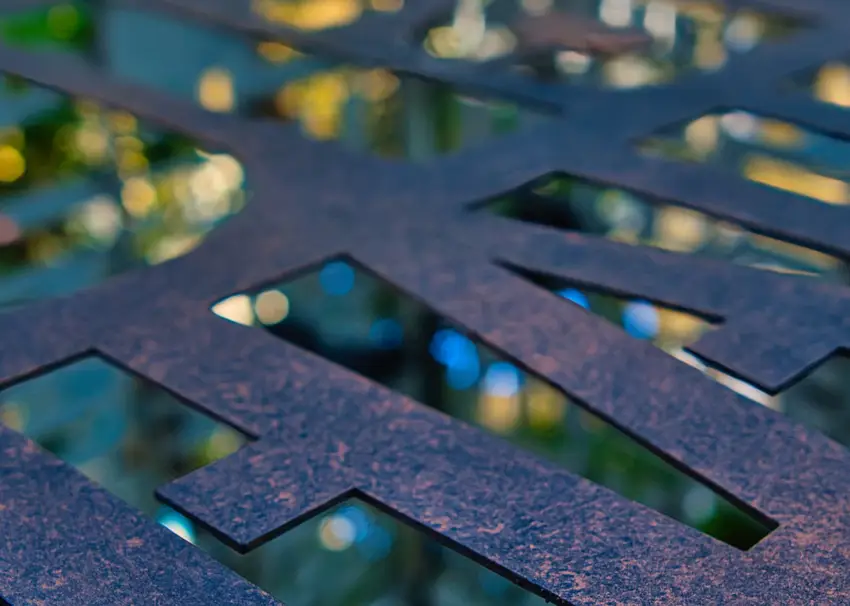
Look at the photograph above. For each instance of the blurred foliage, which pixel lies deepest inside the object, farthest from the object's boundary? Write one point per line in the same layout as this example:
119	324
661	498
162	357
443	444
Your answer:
68	25
107	423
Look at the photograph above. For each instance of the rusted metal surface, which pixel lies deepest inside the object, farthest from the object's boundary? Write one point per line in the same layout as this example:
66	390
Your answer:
323	433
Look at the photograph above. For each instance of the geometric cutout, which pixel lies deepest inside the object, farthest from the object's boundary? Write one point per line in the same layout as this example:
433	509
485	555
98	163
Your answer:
820	400
669	329
604	43
762	149
356	554
87	193
355	319
131	437
121	431
365	109
573	204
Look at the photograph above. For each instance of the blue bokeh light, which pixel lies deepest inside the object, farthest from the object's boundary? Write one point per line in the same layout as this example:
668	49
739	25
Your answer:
502	379
464	376
450	348
641	320
337	278
460	357
577	297
359	519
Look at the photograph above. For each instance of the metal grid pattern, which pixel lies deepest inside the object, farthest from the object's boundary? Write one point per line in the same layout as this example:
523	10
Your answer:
323	433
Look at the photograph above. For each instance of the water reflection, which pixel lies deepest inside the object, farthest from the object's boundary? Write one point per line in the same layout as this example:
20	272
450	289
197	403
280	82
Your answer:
766	150
87	193
681	35
131	437
616	214
357	320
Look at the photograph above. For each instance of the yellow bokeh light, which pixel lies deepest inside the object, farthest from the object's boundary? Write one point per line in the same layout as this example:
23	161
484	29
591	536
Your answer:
288	99
702	135
793	251
312	15
138	196
679	229
12	164
320	104
630	71
131	162
708	12
216	91
781	134
387	6
171	247
742	388
709	50
122	123
92	143
499	413
376	84
237	309
276	52
546	406
444	41
13	416
795	179
272	307
680	327
221	443
832	84
129	143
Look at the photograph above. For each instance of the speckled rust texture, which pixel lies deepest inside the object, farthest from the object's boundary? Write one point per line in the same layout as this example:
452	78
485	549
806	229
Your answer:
324	433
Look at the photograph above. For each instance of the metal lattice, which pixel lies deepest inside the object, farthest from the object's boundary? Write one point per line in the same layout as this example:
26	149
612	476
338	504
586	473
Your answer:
323	433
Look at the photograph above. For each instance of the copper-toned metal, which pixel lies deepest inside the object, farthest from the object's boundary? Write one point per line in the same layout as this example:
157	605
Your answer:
323	433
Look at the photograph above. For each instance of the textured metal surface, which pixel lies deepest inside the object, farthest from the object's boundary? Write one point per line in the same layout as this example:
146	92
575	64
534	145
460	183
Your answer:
324	433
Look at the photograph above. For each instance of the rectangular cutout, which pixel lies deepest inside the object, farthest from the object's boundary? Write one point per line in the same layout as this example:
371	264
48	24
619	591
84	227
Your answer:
353	318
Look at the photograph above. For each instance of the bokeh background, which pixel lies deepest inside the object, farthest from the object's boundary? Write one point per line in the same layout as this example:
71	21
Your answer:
87	193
